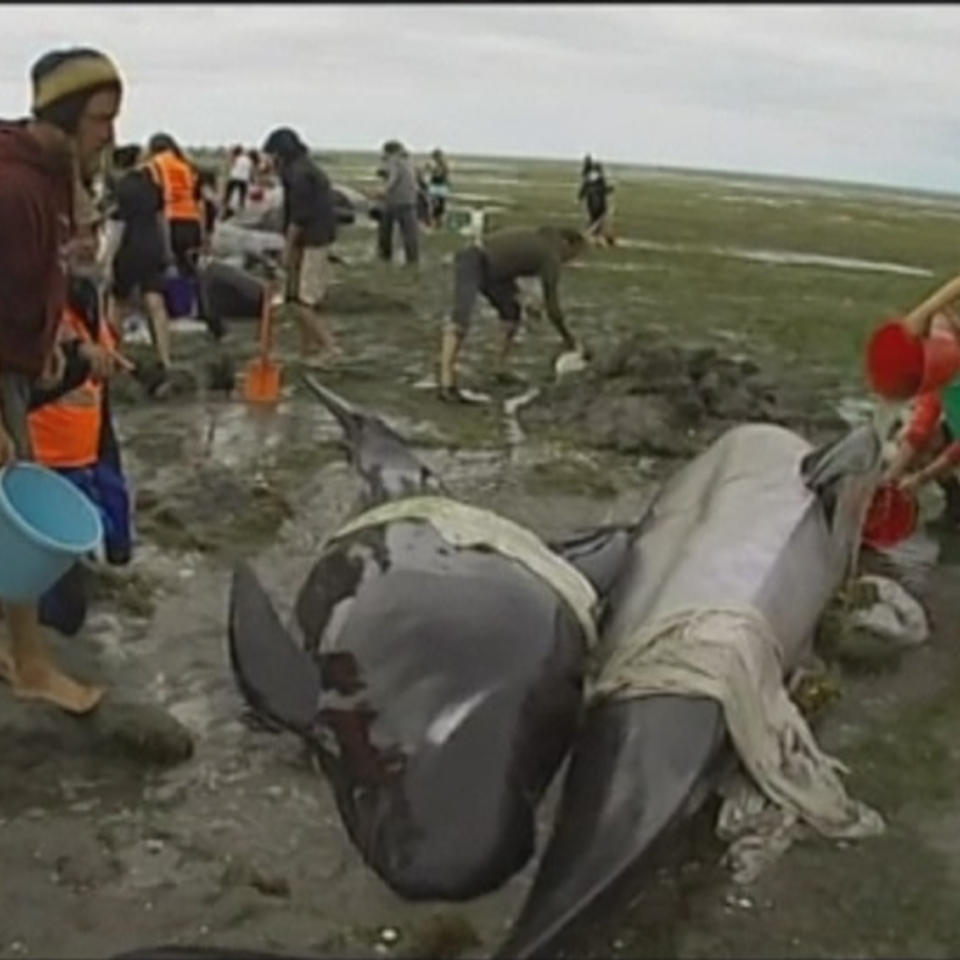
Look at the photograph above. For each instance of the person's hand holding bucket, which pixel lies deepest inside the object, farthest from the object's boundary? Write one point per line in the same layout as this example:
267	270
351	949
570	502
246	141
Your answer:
902	365
919	353
891	517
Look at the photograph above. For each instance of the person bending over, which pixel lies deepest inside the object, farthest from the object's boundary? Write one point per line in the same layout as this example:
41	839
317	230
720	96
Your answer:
492	270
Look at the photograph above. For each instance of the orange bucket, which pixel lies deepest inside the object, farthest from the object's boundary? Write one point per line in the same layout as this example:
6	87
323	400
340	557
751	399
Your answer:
891	517
901	365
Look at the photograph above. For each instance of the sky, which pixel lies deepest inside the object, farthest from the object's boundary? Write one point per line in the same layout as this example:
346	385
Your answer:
848	92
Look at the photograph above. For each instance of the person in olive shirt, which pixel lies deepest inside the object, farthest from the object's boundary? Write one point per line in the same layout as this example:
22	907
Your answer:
310	228
492	269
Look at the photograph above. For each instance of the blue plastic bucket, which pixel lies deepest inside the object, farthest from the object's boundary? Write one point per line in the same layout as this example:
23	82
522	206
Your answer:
46	525
179	296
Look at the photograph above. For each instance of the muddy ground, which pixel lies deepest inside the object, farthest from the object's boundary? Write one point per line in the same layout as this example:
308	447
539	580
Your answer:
167	819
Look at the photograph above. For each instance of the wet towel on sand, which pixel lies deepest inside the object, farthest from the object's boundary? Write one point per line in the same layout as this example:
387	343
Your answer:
733	657
465	526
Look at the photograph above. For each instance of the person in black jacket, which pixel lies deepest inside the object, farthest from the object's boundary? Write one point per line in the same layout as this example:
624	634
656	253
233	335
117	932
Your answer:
310	228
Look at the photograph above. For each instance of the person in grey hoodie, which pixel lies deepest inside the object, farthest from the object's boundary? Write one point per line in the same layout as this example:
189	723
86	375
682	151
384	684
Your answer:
399	205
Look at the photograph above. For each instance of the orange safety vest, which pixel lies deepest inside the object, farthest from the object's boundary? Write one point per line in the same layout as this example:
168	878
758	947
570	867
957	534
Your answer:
66	432
178	180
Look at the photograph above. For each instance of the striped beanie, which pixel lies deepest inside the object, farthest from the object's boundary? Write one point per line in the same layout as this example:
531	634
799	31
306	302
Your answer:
64	80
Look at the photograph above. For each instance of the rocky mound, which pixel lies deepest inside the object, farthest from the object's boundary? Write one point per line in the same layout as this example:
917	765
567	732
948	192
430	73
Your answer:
653	398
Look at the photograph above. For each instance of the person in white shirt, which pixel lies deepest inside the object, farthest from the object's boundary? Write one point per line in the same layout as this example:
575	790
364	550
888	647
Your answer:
238	181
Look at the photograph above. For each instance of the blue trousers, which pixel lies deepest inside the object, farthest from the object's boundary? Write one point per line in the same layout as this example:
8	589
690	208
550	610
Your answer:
64	606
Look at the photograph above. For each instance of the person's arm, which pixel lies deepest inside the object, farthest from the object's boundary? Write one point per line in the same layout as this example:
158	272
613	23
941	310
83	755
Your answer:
939	468
299	199
113	233
198	199
163	224
391	176
923	423
919	319
76	371
550	281
18	271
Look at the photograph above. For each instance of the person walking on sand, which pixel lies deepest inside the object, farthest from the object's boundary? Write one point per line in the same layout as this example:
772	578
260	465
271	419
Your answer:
76	98
493	269
594	194
399	204
138	258
310	228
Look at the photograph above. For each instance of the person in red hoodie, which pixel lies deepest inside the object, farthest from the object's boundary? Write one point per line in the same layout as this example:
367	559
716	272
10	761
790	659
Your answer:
76	98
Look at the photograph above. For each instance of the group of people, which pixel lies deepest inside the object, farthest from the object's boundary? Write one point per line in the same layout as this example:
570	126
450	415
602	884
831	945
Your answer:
409	198
60	343
59	348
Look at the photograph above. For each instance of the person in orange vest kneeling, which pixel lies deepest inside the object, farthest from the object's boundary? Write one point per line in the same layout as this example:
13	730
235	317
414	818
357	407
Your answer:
72	433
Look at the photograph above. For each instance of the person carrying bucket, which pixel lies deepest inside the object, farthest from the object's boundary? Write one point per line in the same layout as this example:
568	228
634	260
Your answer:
920	356
919	353
76	99
72	433
928	451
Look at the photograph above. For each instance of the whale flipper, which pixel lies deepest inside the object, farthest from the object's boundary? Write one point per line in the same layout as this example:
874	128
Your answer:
279	680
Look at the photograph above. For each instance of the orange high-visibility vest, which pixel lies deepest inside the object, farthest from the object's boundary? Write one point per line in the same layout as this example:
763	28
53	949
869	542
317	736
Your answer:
66	433
178	180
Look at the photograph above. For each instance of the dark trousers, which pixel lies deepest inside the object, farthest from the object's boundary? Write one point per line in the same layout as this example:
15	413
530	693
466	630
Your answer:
404	218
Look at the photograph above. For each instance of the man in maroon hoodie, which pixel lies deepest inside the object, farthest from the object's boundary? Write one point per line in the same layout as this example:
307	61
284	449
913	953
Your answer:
76	98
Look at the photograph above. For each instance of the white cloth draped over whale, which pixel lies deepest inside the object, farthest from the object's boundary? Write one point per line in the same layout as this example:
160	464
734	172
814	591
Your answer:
465	526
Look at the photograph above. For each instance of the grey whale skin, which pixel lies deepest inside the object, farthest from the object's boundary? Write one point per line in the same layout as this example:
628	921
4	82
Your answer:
758	519
439	687
641	768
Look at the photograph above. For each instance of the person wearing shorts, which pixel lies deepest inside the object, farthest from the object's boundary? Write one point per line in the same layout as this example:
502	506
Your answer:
43	160
310	227
492	270
140	261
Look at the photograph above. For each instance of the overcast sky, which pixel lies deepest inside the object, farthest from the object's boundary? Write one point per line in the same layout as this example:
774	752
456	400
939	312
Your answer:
856	92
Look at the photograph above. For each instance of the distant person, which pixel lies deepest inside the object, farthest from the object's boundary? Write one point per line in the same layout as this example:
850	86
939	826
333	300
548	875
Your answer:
492	270
399	204
310	228
76	97
180	184
438	187
139	257
594	193
239	179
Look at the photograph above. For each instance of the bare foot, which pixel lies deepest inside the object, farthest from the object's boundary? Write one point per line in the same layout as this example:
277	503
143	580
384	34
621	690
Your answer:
46	682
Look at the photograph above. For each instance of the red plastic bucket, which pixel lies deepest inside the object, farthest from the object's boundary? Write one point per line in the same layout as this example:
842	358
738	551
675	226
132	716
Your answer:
901	365
891	517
